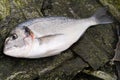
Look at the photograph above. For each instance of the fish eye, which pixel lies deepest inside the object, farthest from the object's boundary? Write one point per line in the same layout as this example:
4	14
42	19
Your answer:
14	36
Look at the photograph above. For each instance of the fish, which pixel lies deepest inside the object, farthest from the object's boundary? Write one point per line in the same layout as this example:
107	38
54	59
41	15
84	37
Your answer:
49	36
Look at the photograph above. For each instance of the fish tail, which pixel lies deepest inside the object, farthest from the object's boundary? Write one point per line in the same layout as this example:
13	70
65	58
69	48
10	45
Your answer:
101	16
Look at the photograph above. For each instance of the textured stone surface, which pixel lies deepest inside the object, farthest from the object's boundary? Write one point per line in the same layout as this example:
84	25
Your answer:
114	7
4	8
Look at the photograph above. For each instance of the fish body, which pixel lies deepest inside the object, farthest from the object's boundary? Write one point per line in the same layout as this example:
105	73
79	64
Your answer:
43	37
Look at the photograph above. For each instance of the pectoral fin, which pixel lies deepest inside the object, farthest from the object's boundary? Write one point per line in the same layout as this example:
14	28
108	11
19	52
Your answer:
48	38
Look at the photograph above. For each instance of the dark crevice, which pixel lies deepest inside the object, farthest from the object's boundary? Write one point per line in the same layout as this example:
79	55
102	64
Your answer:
46	5
84	76
117	53
80	57
36	78
117	69
98	1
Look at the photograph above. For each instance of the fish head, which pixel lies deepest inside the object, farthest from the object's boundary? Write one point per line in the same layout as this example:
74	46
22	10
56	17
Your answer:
19	42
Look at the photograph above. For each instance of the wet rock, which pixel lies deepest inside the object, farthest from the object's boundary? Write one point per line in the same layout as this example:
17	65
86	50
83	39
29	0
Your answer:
114	7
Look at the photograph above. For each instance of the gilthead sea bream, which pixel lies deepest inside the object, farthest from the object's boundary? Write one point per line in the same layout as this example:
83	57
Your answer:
43	37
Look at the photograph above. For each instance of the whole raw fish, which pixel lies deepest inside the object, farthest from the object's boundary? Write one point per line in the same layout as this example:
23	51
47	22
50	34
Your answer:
42	37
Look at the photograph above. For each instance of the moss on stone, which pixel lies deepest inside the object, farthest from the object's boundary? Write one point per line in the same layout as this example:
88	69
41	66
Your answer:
114	7
4	8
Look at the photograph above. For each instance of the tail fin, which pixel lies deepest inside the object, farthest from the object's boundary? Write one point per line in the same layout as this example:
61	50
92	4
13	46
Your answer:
101	16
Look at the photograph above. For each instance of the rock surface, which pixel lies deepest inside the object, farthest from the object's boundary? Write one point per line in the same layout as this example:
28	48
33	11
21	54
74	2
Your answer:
94	49
114	7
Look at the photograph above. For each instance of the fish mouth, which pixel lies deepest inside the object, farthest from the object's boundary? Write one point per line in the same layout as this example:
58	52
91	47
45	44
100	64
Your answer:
9	50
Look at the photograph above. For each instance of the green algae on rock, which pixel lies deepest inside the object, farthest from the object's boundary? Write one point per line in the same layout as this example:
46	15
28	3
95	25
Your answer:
114	7
4	8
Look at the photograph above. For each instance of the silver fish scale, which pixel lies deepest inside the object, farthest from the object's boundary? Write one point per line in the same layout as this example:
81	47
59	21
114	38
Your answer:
47	26
71	30
31	21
